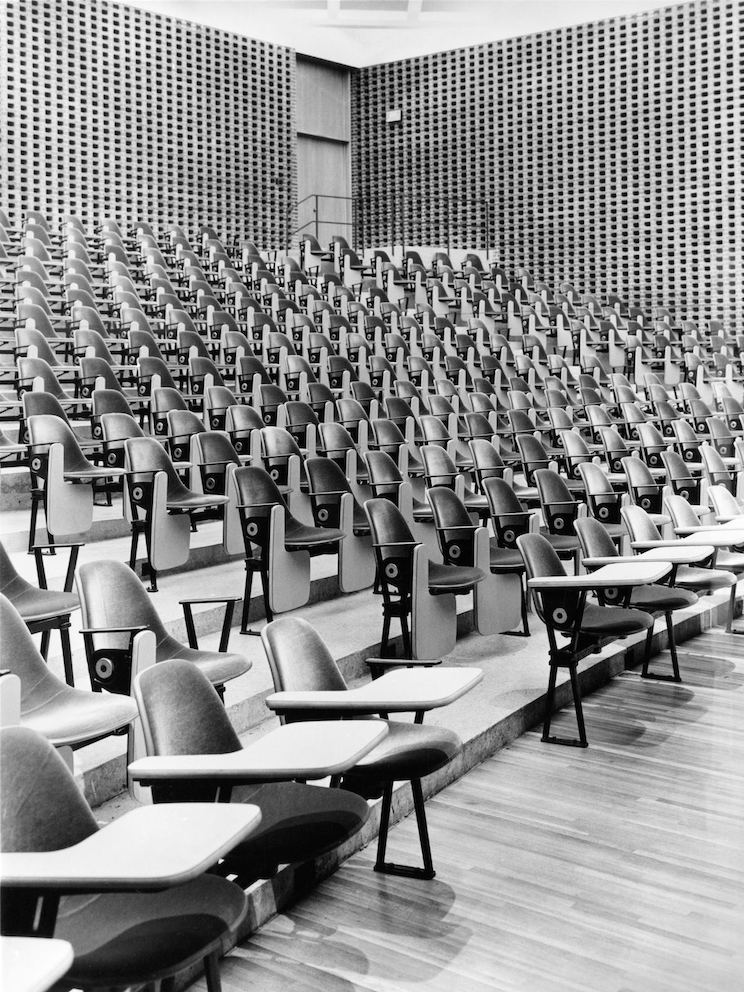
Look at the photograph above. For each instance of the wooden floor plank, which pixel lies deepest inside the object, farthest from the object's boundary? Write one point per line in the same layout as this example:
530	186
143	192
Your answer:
619	868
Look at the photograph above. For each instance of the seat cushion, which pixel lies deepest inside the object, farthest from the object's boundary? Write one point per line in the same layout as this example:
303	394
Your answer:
703	579
605	620
732	561
422	512
298	822
218	666
67	716
194	501
562	542
505	559
452	579
361	524
131	938
410	750
661	598
42	604
299	536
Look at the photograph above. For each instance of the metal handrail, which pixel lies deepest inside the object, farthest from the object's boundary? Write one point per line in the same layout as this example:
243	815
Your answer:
317	220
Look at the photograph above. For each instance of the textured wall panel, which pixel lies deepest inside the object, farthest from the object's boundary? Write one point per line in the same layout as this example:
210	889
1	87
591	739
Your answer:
117	111
608	155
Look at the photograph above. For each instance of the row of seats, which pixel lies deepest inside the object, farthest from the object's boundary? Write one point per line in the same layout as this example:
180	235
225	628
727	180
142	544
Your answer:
442	474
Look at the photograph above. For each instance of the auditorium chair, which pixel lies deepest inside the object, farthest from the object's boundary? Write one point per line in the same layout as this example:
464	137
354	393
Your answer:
561	603
183	718
136	908
277	545
334	505
416	590
308	683
597	549
498	604
694	559
66	716
43	609
62	479
159	507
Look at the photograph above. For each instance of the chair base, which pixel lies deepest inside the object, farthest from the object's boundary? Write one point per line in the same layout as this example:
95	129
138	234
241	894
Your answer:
564	741
556	662
404	871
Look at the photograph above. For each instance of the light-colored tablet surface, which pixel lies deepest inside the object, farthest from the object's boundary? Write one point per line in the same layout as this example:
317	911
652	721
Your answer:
32	964
400	691
295	751
153	847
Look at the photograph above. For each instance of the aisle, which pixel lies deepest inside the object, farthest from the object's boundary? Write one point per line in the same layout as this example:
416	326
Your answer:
616	869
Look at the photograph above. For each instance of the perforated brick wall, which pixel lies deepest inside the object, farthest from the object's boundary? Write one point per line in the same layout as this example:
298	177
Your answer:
115	110
609	155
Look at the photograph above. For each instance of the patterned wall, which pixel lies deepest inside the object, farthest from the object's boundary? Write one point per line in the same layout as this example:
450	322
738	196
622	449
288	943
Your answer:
117	111
608	155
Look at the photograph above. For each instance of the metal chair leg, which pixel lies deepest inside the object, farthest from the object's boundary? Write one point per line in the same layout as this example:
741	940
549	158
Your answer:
389	867
246	600
675	676
547	737
212	972
64	635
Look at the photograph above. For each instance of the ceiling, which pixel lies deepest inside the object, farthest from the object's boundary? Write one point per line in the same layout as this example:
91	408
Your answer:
366	32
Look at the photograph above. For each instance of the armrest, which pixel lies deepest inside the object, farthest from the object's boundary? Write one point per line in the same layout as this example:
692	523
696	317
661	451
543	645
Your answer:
635	572
397	544
399	691
65	544
112	630
643	545
403	662
209	599
307	750
137	851
331	492
609	560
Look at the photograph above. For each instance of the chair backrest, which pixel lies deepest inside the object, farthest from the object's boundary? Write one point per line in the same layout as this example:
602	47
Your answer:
556	609
45	430
119	427
298	658
111	595
36	368
439	468
681	512
487	462
387	523
181	711
558	504
640	526
384	475
335	439
149	366
256	488
38	404
109	401
448	509
42	809
575	445
638	473
724	503
326	476
594	539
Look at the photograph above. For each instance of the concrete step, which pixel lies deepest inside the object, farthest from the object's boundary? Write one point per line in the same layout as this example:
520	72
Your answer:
511	694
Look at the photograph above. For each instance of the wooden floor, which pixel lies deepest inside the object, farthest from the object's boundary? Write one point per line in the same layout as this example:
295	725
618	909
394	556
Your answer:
615	869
